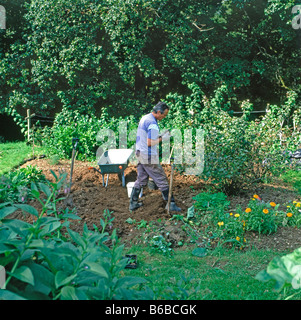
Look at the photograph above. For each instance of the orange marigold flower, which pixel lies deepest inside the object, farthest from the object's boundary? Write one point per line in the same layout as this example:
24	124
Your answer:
272	204
256	196
248	210
289	214
265	211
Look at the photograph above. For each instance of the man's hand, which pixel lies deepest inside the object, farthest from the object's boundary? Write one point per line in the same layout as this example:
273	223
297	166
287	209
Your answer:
166	136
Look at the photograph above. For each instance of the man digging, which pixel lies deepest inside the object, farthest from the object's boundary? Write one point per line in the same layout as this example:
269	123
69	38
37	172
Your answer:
148	138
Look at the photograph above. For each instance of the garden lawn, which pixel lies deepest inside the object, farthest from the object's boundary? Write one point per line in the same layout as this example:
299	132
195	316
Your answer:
222	274
293	178
13	153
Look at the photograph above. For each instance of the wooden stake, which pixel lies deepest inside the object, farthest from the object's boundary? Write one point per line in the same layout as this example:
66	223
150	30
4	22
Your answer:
28	118
28	124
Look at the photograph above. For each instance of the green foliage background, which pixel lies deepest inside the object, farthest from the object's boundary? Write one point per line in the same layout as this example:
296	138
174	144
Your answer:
126	55
92	64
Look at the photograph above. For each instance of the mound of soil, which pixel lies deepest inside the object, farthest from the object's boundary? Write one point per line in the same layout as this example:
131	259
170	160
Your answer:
90	199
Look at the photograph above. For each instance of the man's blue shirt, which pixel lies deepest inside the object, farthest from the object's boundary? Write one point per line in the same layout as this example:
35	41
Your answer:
147	128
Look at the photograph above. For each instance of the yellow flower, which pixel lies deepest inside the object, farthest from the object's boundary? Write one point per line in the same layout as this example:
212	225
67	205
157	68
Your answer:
237	238
256	196
273	204
298	204
245	240
265	211
220	223
248	210
231	214
289	214
236	215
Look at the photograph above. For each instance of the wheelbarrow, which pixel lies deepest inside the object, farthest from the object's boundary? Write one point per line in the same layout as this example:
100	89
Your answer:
113	161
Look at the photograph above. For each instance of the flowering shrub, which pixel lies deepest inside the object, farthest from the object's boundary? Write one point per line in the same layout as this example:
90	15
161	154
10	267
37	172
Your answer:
293	215
261	216
232	228
212	211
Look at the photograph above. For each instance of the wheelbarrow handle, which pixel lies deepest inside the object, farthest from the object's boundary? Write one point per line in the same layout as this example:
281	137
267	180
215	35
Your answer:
93	168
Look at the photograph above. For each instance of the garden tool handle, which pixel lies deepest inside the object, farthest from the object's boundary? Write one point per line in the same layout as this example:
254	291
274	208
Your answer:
171	180
170	188
75	142
170	157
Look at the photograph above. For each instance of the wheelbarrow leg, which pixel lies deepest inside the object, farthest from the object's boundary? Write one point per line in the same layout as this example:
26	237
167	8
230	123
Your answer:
103	180
123	179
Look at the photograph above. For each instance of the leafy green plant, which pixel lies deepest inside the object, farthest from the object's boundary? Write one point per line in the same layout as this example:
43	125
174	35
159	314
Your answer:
142	224
92	132
106	222
42	263
69	124
160	244
210	201
285	272
238	152
15	185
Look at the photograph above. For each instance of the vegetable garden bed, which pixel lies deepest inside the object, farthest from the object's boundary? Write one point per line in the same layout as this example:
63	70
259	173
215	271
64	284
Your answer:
90	200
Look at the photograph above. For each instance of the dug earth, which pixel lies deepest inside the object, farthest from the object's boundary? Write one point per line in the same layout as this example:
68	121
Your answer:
90	200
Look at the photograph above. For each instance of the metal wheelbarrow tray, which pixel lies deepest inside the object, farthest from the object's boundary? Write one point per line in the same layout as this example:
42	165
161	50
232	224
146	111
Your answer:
114	161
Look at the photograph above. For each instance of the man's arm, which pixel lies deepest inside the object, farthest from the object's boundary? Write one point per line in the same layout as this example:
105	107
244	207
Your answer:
164	137
151	142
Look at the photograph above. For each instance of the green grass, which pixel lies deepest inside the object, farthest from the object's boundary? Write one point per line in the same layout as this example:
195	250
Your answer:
293	178
222	274
13	153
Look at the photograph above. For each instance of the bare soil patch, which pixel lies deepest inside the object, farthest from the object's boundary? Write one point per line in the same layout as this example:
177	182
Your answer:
91	199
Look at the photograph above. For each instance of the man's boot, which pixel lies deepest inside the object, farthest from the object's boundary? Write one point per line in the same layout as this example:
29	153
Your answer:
134	204
172	206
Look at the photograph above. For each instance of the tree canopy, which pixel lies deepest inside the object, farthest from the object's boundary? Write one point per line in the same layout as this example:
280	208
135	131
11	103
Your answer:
125	55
